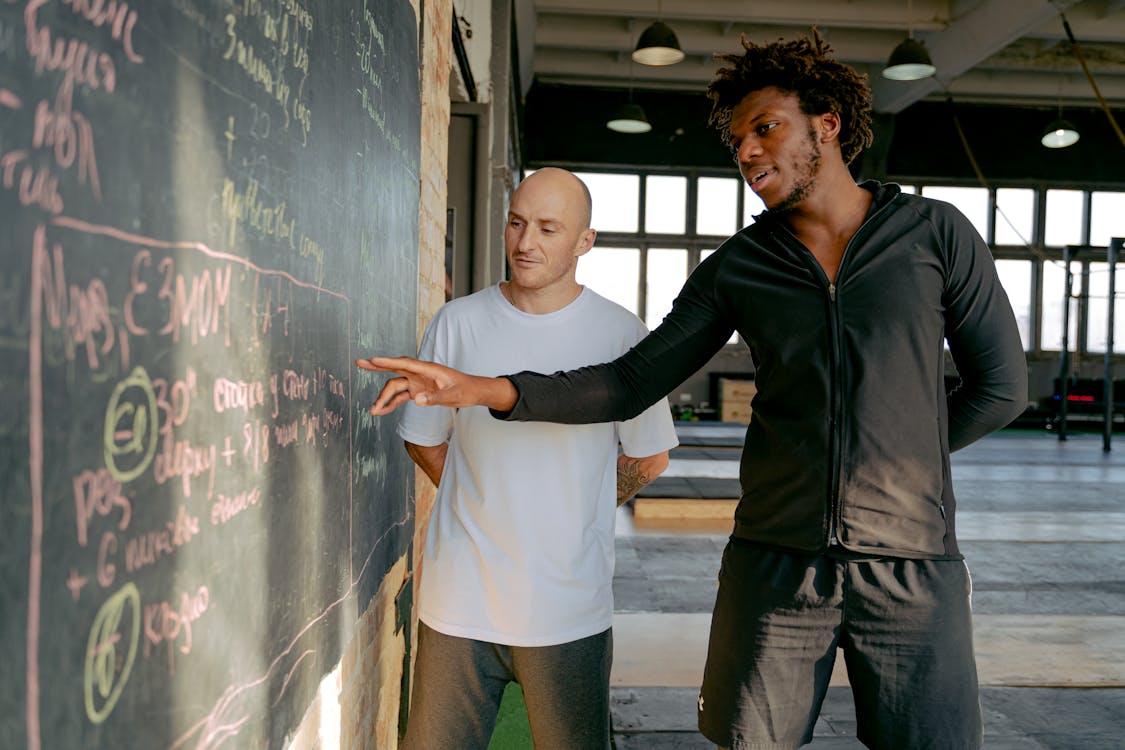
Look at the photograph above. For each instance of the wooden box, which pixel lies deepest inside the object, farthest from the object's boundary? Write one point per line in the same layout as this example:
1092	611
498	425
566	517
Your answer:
734	399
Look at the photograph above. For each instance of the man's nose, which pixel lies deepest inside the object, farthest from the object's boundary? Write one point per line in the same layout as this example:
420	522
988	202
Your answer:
748	148
526	239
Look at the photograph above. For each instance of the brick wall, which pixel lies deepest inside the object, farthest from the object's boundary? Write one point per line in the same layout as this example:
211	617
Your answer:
358	705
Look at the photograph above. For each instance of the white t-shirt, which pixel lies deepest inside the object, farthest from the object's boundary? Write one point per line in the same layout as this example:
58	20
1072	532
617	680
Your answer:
519	549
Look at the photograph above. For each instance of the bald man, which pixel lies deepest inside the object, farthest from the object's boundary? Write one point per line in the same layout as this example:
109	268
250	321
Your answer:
518	564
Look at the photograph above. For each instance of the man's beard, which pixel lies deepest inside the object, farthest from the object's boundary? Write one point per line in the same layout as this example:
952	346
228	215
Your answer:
805	179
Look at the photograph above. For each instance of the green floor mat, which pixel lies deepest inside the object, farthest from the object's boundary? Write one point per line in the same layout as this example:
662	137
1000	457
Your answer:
512	730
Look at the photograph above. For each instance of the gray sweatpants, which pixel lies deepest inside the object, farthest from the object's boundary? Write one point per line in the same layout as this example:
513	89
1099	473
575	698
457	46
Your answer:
458	685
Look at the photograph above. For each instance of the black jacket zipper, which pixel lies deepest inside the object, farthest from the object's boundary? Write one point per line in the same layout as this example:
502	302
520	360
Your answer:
835	434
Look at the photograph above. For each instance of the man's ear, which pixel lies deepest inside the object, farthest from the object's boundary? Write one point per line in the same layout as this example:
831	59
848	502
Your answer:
828	126
585	242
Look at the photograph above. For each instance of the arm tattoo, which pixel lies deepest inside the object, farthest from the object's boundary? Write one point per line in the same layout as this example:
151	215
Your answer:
631	477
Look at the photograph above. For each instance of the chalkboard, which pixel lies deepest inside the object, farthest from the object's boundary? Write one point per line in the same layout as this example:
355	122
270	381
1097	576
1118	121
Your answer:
209	209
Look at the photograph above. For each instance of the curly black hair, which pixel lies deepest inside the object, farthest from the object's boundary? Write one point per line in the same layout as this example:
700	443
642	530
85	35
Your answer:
801	66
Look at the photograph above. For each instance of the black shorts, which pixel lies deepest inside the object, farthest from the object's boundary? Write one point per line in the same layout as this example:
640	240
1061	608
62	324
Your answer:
905	629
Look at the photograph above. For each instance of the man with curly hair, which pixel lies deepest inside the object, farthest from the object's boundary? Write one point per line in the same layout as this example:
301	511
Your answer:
844	537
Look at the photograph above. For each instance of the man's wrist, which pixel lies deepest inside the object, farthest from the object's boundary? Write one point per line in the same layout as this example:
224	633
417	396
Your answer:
500	394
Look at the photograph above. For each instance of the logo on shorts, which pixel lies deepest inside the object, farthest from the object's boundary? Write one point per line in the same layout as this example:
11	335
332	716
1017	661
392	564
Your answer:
701	703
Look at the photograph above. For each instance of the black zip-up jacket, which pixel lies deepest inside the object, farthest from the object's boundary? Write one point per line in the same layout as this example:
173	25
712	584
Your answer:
848	446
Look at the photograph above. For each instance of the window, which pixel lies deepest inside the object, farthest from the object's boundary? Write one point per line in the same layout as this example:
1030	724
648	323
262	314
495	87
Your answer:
644	270
1098	309
973	202
1064	218
645	252
1054	280
616	200
666	274
613	273
1106	210
665	204
752	205
717	206
1015	216
1015	277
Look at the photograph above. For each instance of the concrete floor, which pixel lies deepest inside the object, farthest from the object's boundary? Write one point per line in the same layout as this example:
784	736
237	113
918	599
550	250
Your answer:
1042	526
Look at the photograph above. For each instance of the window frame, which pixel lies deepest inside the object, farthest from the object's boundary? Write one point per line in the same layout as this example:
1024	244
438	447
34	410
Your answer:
1035	252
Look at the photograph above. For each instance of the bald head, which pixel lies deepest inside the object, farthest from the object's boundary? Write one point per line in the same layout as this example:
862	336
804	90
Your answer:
574	194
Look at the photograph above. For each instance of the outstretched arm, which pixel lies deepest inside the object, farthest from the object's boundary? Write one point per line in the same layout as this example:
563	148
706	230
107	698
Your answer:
634	473
693	331
431	384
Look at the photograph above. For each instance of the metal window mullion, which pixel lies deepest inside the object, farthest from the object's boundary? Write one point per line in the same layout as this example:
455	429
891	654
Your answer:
1036	322
1107	378
990	224
690	230
642	283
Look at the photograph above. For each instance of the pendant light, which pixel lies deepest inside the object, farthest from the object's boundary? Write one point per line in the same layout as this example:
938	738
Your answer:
910	60
658	44
629	118
1060	133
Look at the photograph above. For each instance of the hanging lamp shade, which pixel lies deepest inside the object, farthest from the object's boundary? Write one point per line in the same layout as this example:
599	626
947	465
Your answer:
909	62
1059	133
629	118
658	45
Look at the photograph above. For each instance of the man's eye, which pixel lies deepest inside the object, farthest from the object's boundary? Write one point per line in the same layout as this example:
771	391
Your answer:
767	127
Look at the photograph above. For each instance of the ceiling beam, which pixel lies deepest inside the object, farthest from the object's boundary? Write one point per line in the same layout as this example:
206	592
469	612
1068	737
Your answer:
878	14
982	31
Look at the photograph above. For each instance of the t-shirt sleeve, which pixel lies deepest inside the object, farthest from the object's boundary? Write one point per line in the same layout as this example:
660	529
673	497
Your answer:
428	425
650	432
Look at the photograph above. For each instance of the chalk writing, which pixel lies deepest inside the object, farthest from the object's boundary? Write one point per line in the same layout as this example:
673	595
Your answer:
200	310
284	45
98	492
227	507
38	186
286	434
243	208
311	248
130	433
179	458
71	138
105	674
368	49
230	394
170	218
113	13
294	385
174	401
83	313
74	57
107	550
75	583
164	623
256	443
249	60
147	548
